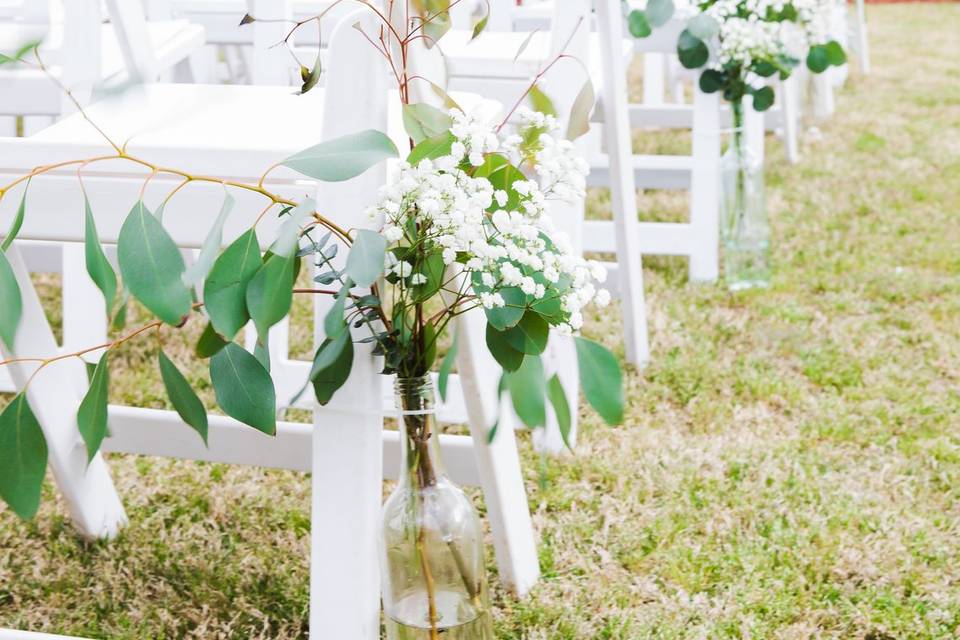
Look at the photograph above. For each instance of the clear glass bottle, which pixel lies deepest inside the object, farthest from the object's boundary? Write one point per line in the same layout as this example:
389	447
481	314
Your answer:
744	228
432	566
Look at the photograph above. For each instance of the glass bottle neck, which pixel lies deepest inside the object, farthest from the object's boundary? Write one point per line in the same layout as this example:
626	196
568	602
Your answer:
420	463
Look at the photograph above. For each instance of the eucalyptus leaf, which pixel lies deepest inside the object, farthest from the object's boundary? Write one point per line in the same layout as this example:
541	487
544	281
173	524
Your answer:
540	101
762	98
209	342
561	407
225	290
659	12
703	27
502	318
712	81
432	148
523	45
818	59
199	270
528	392
270	292
244	389
328	381
530	335
12	307
23	458
446	366
692	50
343	158
367	254
424	121
638	24
579	123
481	24
17	221
601	380
98	267
151	266
835	53
502	351
184	399
92	414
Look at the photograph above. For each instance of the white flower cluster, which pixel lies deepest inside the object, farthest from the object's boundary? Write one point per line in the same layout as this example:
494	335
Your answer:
504	240
750	32
745	40
816	19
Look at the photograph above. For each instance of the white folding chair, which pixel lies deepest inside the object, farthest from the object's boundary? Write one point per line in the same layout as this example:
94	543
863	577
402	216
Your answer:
196	128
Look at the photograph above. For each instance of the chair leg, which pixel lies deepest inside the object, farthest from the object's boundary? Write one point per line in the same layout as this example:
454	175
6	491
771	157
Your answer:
87	490
499	461
863	48
790	106
705	188
347	484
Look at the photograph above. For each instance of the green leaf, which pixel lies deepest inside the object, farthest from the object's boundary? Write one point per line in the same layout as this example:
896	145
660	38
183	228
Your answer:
435	270
509	315
762	98
638	24
579	123
12	307
446	366
528	392
327	354
835	53
659	12
561	407
151	266
764	69
288	236
199	270
692	50
502	351
244	389
209	342
23	458
98	267
818	59
480	25
225	291
703	26
523	45
17	221
432	148
184	400
270	292
367	254
424	121
334	323
601	380
310	77
328	380
343	158
712	81
530	335
541	102
92	414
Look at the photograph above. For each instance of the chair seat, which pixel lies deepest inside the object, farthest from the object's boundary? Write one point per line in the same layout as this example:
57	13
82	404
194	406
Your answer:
493	53
228	131
221	18
30	92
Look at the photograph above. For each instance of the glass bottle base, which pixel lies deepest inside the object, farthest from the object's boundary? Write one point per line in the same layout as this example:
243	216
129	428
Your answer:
456	619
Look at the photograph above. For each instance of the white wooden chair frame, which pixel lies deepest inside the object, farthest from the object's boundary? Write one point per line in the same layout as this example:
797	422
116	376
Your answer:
346	434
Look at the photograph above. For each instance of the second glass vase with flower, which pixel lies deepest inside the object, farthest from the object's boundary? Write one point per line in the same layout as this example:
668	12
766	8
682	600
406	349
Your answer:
465	228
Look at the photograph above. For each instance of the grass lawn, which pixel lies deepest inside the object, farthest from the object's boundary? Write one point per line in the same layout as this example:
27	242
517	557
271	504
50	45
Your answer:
790	467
